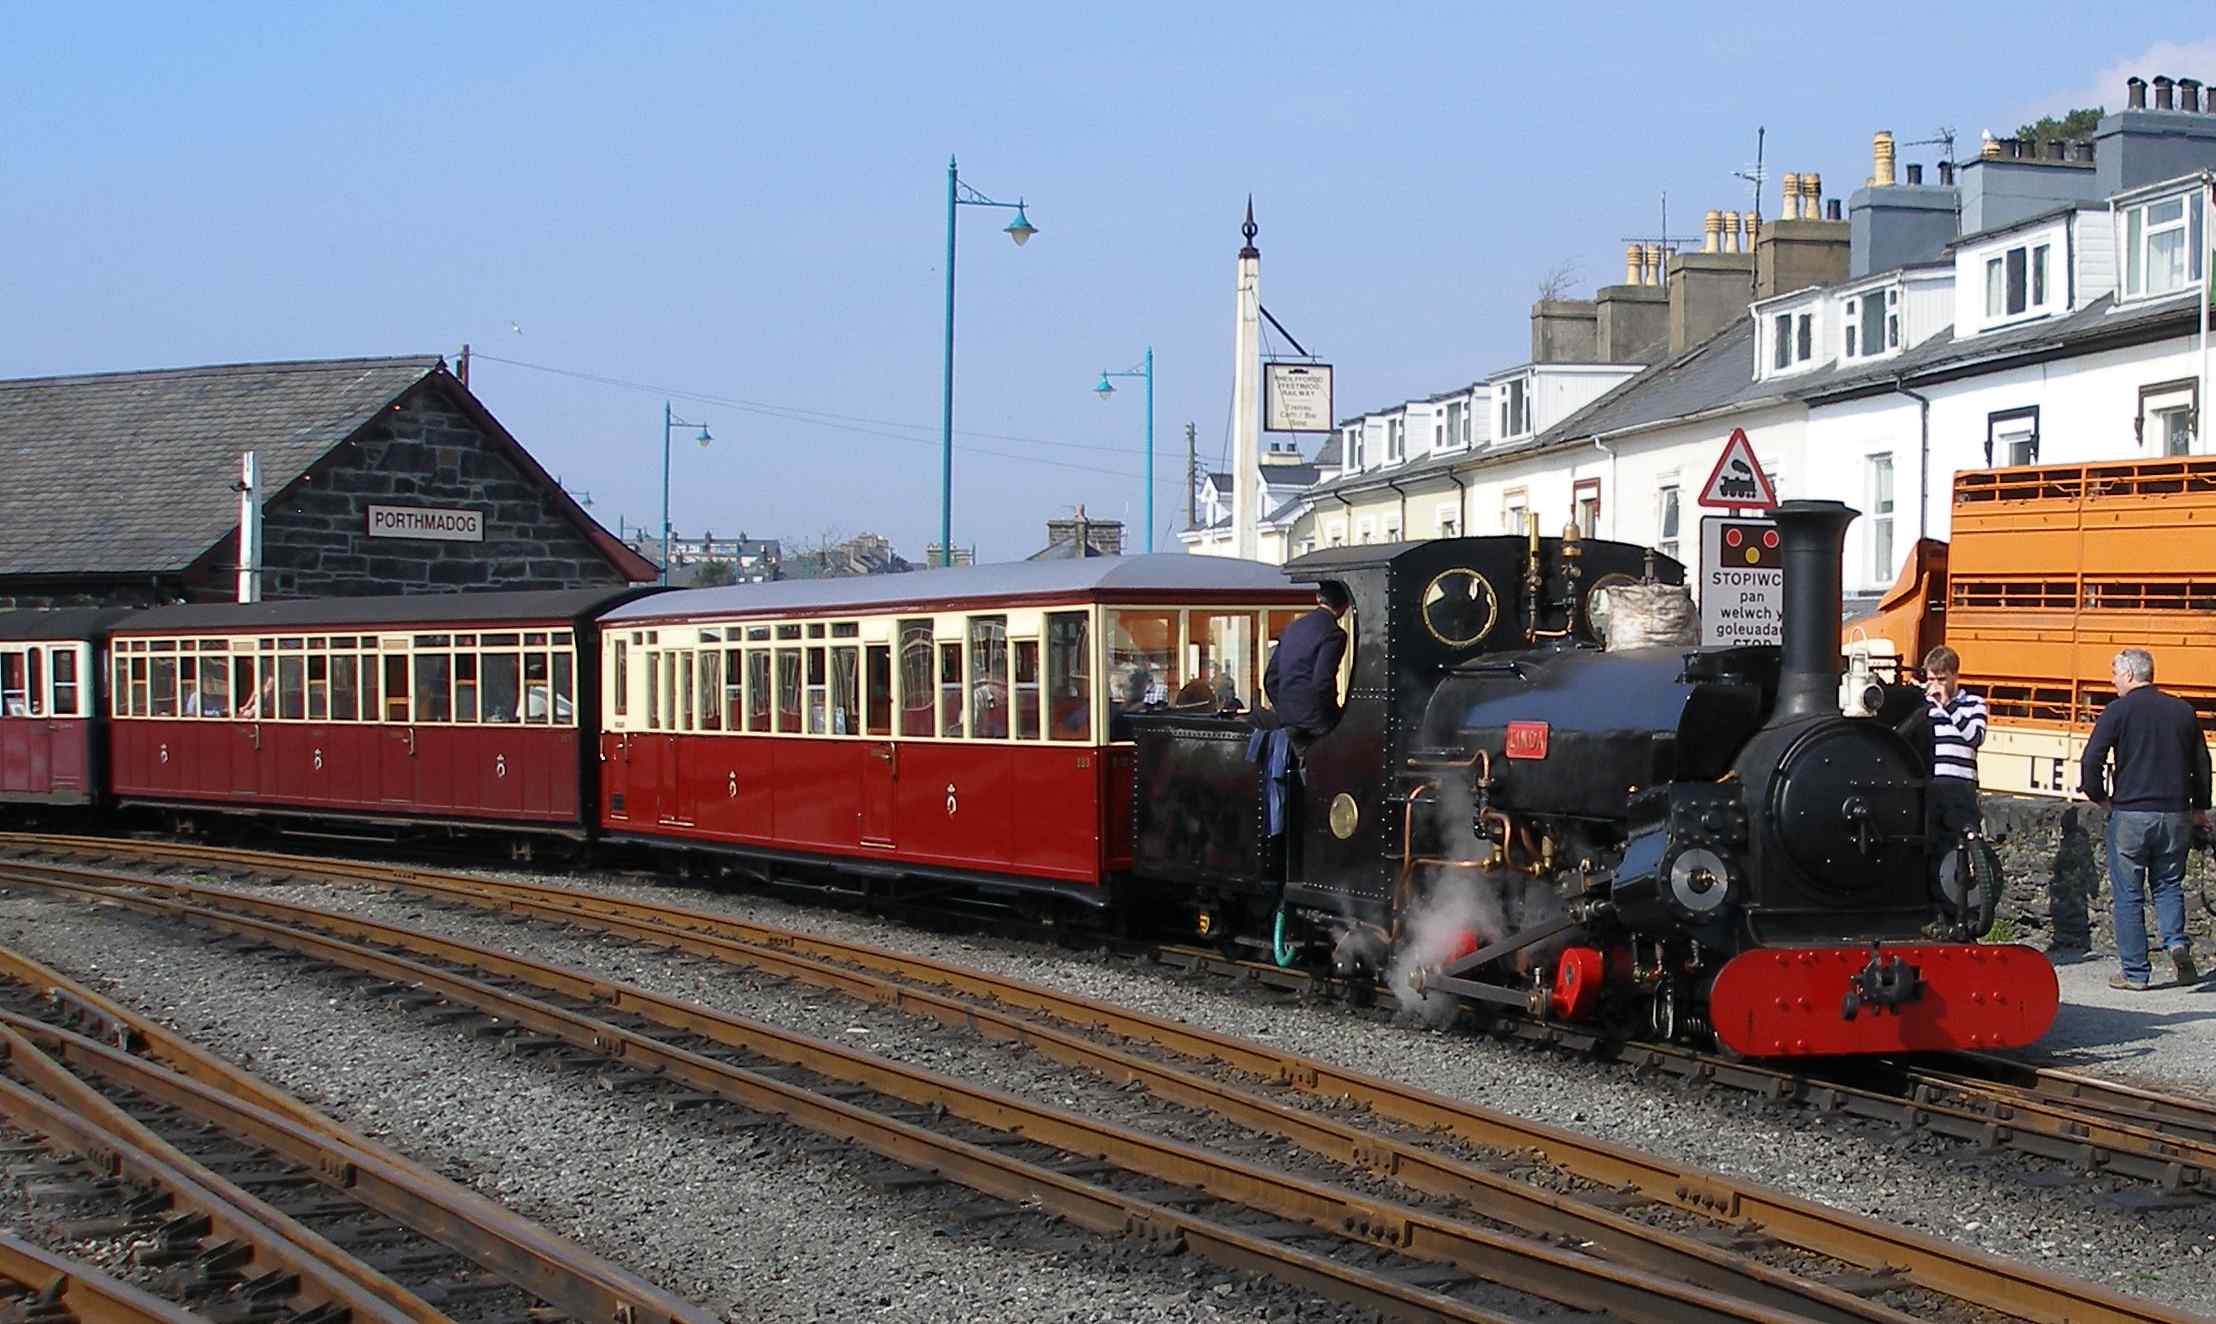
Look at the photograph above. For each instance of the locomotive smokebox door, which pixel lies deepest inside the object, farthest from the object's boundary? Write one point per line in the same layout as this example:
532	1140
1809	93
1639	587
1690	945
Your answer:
1198	819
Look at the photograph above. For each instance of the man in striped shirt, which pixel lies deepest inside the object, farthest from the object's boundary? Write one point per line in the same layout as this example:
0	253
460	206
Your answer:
1957	729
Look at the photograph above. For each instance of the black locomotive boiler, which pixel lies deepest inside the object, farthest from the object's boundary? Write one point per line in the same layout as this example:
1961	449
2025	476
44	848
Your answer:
1673	841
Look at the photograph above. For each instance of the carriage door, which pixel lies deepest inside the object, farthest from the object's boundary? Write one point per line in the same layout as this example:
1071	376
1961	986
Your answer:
396	737
67	756
881	759
246	730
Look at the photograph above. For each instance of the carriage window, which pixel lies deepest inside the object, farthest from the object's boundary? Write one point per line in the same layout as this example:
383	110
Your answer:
565	689
65	682
711	689
818	690
1223	662
756	633
788	686
846	629
434	674
1069	673
623	677
138	687
466	691
213	688
653	690
319	688
37	681
733	695
877	681
950	689
757	689
541	703
242	689
163	691
396	688
501	675
682	683
15	700
1027	689
989	675
1142	663
119	690
346	689
915	678
846	681
788	632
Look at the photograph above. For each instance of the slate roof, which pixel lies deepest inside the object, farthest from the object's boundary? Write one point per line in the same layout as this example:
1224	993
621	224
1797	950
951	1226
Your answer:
2080	332
1333	452
132	471
1166	572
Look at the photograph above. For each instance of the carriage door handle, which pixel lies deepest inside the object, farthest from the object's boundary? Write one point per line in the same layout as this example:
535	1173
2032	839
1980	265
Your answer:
255	731
411	742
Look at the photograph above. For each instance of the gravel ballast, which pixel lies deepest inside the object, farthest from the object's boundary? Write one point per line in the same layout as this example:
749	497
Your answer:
761	1224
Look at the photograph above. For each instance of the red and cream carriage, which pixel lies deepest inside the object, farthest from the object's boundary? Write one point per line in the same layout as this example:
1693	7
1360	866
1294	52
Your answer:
958	724
49	723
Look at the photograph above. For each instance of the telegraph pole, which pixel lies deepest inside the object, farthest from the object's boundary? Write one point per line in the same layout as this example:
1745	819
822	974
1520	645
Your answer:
1192	480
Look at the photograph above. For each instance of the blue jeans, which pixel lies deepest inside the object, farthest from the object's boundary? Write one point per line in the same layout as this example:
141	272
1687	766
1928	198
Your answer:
2142	842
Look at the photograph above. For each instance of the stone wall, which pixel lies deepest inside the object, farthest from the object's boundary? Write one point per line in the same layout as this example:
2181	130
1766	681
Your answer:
425	453
2034	848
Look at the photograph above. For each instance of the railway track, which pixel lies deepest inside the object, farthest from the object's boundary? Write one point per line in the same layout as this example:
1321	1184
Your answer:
271	1209
38	1286
1725	1225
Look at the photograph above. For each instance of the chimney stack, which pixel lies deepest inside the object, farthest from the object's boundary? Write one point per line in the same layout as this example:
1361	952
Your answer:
1881	158
2135	93
1631	265
1946	174
1790	208
2189	95
1915	175
1712	232
2163	97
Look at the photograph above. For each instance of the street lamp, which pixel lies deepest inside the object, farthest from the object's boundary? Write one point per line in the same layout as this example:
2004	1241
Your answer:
670	422
1108	388
959	194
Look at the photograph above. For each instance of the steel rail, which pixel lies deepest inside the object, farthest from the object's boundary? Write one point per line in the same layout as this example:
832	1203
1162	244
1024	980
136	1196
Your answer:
85	1292
1571	1278
557	1272
281	1252
2171	1114
1922	1260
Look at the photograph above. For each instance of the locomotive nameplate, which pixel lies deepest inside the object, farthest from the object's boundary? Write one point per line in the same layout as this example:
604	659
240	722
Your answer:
1527	740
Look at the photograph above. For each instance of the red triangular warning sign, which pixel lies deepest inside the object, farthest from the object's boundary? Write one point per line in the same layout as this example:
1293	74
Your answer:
1738	480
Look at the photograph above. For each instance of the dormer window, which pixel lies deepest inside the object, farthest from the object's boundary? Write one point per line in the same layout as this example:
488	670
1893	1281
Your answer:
1515	415
2161	246
2016	281
1792	340
1396	439
1873	323
1451	432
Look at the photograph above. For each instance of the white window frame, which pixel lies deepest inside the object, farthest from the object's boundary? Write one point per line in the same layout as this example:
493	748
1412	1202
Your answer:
1515	510
1853	322
1882	512
2135	250
1365	530
2157	406
1447	520
1668	491
2038	281
1515	407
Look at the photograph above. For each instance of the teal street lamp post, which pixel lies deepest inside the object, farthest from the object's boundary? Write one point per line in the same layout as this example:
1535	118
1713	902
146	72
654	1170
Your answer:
958	195
670	422
1108	388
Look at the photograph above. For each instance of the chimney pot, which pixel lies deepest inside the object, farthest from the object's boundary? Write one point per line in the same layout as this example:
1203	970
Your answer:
2027	148
1791	207
1731	232
1831	210
2135	93
1631	265
1654	264
2164	98
1881	158
1712	232
1946	174
1750	229
1989	149
2085	150
1812	196
1915	174
2189	95
2058	150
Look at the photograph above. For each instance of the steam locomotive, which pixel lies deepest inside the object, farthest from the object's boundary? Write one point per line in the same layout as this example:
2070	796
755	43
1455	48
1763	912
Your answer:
1651	840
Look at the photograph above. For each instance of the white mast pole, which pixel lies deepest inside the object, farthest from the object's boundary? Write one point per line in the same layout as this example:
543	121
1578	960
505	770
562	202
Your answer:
1246	414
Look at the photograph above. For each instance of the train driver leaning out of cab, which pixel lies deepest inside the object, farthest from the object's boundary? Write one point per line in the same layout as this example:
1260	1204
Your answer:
1303	677
1957	729
2157	797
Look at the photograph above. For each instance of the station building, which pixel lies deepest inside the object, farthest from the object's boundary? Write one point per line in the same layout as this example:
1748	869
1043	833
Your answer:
377	476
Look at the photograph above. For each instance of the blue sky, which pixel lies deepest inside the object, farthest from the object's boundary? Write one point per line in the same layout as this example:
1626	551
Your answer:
748	204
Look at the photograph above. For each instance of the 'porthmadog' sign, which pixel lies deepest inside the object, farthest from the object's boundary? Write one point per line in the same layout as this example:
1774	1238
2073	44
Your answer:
423	522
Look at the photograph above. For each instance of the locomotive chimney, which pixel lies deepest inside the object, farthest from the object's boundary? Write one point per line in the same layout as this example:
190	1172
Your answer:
1811	534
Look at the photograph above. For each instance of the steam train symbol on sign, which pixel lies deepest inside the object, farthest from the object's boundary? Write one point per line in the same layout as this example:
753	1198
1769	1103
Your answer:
1736	482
